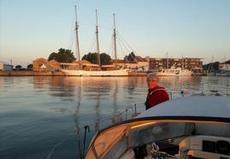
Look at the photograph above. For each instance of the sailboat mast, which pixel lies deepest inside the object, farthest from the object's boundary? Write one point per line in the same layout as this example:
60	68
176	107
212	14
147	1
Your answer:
97	39
183	62
167	62
77	37
114	38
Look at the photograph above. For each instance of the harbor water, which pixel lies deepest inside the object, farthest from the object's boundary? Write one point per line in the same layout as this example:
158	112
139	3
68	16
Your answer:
44	117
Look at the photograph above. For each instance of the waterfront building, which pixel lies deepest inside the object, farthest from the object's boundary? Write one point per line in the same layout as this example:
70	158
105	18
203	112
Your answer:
140	64
192	64
43	65
5	67
86	65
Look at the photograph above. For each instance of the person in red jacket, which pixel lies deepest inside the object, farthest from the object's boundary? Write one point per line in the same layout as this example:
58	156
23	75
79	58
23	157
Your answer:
156	94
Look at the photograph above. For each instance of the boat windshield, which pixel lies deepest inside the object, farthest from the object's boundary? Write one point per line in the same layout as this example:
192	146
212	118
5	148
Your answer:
116	141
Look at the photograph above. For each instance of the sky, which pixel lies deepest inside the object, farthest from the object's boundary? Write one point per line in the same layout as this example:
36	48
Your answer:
30	29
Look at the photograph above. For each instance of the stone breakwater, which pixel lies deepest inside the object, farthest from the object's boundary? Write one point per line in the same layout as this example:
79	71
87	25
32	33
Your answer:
30	73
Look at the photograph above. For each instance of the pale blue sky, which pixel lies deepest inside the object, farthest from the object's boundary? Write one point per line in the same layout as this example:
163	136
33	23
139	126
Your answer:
190	28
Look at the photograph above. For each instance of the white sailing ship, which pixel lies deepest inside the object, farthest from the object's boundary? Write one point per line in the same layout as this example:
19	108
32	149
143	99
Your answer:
114	71
121	72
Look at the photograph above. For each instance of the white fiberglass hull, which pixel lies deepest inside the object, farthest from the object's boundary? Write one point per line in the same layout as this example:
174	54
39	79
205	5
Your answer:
181	73
96	73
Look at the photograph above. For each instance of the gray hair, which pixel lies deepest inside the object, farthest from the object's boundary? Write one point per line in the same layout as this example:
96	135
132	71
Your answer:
151	77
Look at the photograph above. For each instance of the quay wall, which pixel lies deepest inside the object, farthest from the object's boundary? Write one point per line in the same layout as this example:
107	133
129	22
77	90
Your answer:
137	74
30	73
33	73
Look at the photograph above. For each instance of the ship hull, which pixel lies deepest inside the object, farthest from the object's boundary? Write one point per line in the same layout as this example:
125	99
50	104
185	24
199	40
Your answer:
95	73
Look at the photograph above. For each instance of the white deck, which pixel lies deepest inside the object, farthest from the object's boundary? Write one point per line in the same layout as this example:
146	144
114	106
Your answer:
193	106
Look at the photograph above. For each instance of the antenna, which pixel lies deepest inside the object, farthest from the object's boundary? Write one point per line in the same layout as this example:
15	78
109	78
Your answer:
97	39
77	37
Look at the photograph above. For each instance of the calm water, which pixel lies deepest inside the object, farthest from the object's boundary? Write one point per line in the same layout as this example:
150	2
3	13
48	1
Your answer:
40	116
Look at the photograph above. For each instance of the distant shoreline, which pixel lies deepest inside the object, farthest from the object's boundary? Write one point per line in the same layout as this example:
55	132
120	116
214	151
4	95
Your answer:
33	73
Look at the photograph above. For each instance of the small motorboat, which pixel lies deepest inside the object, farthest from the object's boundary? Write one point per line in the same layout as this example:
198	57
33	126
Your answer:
195	127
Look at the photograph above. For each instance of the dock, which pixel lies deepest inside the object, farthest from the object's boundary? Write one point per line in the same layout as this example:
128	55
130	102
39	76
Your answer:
30	73
50	73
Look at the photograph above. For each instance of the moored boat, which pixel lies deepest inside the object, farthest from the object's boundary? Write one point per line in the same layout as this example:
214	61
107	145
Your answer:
223	73
98	72
191	127
101	73
174	72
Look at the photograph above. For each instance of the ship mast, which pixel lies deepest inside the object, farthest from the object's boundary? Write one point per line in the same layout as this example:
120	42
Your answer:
77	37
114	38
167	61
97	39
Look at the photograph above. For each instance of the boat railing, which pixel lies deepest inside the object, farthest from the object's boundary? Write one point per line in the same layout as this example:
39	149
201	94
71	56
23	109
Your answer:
133	109
85	132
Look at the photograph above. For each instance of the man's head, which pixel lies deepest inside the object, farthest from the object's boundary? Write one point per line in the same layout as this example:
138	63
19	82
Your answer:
151	80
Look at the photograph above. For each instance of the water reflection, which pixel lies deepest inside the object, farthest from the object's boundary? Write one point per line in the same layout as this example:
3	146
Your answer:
95	98
76	117
103	95
40	82
175	85
132	84
51	108
58	87
97	110
115	92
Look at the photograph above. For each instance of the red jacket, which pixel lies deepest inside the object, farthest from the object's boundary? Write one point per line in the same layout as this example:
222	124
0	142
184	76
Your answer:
156	96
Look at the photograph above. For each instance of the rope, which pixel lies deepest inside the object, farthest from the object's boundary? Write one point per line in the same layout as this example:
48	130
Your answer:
71	37
122	44
71	42
122	39
121	47
50	153
108	51
92	44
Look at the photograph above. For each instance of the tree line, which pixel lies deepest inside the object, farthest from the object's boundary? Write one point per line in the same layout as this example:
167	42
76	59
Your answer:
214	66
67	56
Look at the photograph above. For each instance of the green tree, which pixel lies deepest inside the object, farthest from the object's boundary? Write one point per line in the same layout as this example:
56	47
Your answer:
92	57
130	57
63	55
105	59
30	67
227	62
53	56
18	67
212	67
